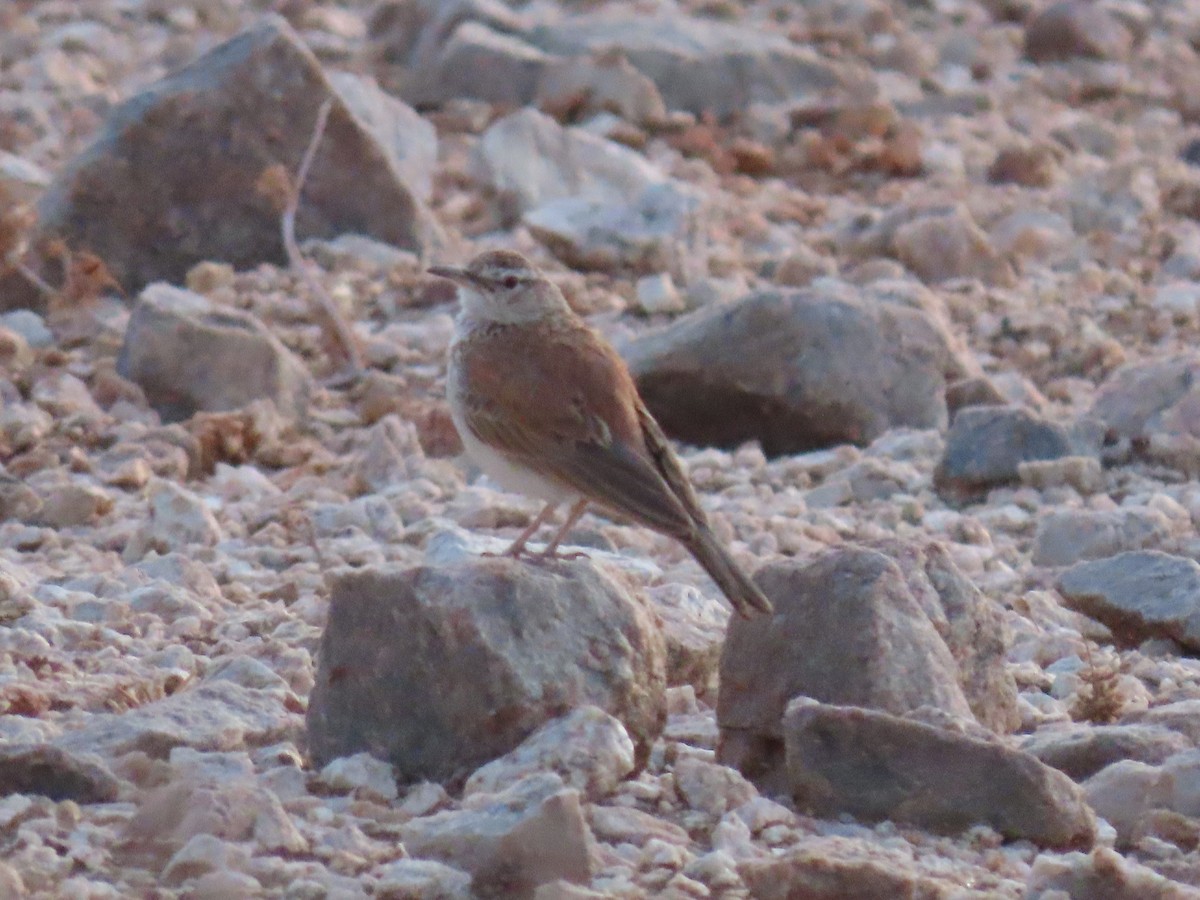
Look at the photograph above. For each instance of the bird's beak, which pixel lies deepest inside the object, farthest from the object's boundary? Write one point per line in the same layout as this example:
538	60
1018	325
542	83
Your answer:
452	272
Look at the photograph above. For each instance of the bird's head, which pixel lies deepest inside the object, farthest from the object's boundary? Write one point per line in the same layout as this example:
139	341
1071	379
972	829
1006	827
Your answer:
502	286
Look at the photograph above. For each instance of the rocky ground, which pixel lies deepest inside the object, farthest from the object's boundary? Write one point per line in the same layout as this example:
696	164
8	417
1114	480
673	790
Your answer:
916	287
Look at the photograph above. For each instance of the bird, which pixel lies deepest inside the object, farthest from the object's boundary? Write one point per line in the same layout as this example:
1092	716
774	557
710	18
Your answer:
546	407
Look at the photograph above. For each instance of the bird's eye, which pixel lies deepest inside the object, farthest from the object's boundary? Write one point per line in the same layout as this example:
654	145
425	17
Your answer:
511	281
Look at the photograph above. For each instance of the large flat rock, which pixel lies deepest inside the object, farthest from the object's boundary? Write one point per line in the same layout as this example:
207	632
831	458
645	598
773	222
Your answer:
175	175
877	766
439	669
795	370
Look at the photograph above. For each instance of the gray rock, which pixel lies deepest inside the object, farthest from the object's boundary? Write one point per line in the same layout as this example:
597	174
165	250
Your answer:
1083	750
22	177
529	159
710	788
1113	201
987	444
1075	28
627	825
1139	595
412	32
595	234
875	766
52	772
422	878
1134	797
217	716
693	627
15	353
17	499
1180	785
1033	233
1182	716
173	178
944	244
409	141
1180	299
508	646
205	810
1141	399
1068	536
934	242
826	869
63	395
30	326
392	455
972	625
846	630
1102	874
478	63
795	370
603	82
190	355
362	774
657	294
699	65
531	834
70	504
1123	793
177	519
587	748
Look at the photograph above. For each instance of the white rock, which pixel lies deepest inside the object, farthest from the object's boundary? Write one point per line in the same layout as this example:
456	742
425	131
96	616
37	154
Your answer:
62	394
1180	299
419	878
588	748
197	765
424	798
1122	793
532	159
656	295
22	425
531	834
361	774
202	854
178	519
30	326
248	672
241	482
15	168
599	233
711	788
371	514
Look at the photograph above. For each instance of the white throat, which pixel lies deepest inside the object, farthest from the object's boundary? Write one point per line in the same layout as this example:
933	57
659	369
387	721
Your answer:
477	311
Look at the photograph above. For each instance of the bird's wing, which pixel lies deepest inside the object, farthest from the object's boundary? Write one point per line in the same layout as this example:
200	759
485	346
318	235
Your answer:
572	413
668	464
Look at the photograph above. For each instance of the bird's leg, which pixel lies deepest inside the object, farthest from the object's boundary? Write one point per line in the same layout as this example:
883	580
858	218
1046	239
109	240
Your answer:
551	551
517	547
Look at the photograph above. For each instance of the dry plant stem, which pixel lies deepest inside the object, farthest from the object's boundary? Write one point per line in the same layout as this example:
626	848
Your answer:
33	278
325	312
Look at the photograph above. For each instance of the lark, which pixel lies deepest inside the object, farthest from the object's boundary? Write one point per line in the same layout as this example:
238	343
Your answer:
547	408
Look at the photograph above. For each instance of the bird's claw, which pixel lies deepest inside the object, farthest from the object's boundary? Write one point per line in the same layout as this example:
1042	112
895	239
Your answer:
555	555
511	553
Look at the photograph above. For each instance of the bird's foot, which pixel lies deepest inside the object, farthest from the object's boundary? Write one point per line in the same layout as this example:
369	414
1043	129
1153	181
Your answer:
513	552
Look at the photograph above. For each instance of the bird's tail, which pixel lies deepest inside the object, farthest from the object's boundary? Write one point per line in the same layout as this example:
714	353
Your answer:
734	583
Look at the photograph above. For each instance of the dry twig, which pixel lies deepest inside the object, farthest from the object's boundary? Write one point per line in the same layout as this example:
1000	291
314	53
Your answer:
339	336
16	221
